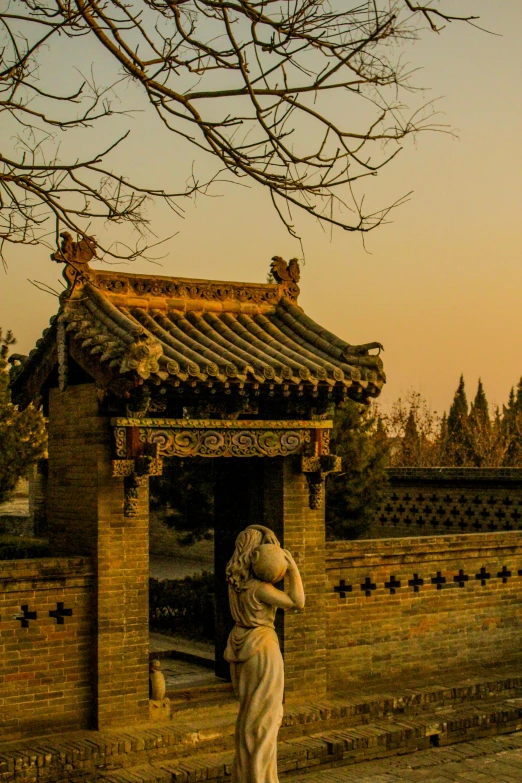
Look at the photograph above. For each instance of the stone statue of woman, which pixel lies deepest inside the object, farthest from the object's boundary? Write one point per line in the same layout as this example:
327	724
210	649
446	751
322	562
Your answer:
256	664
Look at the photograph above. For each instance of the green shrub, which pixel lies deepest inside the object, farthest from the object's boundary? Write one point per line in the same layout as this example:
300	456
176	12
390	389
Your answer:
23	435
184	606
20	548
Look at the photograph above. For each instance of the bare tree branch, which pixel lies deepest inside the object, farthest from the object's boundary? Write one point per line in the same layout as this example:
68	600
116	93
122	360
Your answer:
272	90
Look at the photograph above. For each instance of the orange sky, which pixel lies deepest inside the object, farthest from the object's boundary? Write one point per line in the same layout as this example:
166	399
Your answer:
439	287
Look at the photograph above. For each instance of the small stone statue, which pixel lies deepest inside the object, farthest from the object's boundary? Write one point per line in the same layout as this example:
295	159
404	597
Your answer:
256	664
157	687
159	706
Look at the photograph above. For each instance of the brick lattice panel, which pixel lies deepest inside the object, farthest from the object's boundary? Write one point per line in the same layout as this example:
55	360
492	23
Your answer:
432	501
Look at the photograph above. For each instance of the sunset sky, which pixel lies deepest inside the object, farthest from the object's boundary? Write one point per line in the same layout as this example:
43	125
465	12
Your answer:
440	286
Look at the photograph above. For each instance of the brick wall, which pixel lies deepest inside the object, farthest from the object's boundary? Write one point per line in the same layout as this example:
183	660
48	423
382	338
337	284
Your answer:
85	516
45	667
301	530
422	604
438	501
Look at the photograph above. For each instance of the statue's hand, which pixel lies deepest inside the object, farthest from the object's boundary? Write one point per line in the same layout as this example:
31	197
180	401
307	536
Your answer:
270	538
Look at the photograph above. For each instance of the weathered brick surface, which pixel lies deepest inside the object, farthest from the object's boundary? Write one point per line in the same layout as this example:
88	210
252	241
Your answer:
46	667
85	515
287	510
458	616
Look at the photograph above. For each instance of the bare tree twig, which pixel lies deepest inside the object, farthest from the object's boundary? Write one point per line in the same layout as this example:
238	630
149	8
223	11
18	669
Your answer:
269	89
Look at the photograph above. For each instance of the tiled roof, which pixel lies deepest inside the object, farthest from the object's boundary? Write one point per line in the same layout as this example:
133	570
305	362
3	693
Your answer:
179	330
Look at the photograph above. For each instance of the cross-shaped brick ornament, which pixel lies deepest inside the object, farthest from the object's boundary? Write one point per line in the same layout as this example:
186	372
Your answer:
368	586
392	584
483	576
438	580
416	582
461	578
342	588
59	613
504	574
25	616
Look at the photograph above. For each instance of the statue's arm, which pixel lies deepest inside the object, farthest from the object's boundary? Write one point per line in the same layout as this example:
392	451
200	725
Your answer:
293	598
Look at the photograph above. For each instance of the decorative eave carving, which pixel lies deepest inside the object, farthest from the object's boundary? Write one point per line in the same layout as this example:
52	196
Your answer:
141	445
180	292
218	438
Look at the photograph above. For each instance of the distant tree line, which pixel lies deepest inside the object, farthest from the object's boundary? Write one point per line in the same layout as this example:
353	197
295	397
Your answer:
411	435
469	435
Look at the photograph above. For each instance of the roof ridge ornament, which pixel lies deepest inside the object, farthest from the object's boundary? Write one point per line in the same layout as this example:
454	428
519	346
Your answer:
76	257
284	272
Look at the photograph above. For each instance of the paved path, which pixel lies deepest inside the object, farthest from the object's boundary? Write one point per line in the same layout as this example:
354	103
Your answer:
496	760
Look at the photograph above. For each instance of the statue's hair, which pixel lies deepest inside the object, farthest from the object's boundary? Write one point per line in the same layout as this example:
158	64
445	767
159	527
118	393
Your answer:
238	570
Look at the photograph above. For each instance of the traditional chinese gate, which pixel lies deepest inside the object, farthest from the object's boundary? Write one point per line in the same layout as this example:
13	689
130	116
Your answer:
137	369
245	491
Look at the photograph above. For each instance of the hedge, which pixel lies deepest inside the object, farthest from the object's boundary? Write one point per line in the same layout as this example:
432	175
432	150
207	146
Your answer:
20	548
184	606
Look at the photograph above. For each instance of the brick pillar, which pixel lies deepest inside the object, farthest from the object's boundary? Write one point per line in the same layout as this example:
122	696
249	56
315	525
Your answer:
85	516
302	531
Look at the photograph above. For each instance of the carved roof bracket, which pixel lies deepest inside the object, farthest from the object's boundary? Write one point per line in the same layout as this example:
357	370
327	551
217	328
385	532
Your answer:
135	473
316	470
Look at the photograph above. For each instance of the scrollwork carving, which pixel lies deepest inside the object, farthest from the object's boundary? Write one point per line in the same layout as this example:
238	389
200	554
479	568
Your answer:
326	438
122	467
120	441
225	443
196	289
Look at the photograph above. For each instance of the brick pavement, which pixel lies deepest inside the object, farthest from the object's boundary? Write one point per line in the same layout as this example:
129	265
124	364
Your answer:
492	760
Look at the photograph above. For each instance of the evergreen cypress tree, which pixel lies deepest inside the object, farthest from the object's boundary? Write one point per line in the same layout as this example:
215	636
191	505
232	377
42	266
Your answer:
458	412
479	430
479	412
518	399
184	496
353	496
457	452
512	428
23	434
441	446
508	411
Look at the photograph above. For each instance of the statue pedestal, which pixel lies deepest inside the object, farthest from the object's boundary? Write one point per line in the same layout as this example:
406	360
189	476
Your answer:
159	710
